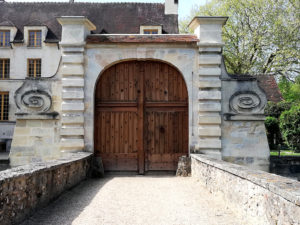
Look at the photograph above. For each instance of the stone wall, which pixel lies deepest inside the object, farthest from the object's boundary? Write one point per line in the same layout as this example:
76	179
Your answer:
261	197
26	188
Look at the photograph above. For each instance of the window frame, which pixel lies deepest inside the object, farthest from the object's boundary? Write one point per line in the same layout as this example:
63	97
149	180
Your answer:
34	75
35	39
2	105
150	31
2	69
4	38
150	28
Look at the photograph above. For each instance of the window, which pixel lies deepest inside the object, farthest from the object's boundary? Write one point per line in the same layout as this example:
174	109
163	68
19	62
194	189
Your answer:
4	102
4	38
35	38
151	31
34	68
4	68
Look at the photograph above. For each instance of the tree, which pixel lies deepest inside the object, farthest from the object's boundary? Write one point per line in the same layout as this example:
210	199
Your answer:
290	127
290	90
261	36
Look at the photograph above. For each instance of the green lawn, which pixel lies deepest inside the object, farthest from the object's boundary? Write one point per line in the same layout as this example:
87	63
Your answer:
284	153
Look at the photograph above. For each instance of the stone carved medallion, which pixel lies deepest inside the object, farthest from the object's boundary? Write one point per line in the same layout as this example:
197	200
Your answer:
247	102
33	97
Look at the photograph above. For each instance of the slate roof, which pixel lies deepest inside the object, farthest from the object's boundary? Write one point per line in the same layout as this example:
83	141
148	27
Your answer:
112	18
178	39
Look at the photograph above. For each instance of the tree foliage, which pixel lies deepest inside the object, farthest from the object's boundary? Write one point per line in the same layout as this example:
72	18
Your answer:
261	36
290	90
290	127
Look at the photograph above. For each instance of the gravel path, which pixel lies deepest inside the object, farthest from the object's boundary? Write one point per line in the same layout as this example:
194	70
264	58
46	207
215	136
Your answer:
137	200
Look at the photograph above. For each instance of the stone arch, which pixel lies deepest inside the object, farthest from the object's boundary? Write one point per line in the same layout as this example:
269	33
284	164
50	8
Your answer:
141	116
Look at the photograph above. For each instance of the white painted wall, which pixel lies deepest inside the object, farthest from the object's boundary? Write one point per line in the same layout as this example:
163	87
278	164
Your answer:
18	55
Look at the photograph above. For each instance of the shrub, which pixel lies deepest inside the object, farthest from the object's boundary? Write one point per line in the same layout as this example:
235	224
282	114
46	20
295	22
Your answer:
290	127
275	109
273	131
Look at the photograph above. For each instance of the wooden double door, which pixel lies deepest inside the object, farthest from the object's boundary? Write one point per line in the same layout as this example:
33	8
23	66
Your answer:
141	117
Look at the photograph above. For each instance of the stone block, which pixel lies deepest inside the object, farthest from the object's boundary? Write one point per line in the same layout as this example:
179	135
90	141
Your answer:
210	59
209	71
210	107
20	141
76	106
73	94
72	131
209	95
75	144
73	82
19	131
210	84
207	143
206	119
73	59
40	131
48	123
212	131
72	119
34	123
21	123
72	70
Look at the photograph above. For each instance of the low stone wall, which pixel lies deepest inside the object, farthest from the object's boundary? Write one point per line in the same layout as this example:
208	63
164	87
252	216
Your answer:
262	197
26	188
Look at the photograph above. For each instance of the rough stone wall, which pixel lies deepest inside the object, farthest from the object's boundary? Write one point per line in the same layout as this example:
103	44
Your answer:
27	188
262	197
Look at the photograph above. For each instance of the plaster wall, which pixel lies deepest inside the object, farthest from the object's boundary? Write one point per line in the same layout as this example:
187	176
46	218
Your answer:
100	57
19	53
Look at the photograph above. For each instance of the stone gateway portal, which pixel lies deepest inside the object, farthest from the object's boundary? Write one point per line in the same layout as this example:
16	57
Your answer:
141	117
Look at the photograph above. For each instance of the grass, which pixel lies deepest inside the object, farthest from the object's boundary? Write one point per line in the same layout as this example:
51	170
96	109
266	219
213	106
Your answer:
284	153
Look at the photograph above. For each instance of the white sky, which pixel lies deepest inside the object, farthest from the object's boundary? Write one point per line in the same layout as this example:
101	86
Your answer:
184	5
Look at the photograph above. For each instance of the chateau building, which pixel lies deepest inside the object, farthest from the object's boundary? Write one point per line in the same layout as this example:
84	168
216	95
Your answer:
118	79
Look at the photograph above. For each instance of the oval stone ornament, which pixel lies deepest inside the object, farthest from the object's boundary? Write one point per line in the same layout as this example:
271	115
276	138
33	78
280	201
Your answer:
247	102
38	101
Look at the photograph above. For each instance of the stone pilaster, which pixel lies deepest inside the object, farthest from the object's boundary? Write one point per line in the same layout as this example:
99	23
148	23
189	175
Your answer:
74	32
209	32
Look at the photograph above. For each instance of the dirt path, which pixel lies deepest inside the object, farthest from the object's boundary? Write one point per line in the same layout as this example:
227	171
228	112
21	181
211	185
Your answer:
137	200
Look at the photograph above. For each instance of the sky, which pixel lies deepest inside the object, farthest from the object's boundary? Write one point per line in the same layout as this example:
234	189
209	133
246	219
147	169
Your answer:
184	5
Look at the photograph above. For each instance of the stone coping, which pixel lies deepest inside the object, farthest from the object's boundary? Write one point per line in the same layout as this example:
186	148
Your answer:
141	38
31	168
286	188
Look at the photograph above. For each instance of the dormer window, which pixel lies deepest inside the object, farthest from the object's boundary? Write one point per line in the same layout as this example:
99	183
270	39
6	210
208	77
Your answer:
35	38
150	29
4	38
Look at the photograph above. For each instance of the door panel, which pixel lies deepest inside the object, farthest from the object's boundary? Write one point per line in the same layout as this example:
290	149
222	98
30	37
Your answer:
165	139
141	117
116	139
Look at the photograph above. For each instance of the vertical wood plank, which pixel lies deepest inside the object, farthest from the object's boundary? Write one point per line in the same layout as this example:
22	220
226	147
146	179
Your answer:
141	153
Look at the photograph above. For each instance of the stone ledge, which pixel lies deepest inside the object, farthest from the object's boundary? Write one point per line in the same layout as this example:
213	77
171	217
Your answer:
27	188
284	187
35	167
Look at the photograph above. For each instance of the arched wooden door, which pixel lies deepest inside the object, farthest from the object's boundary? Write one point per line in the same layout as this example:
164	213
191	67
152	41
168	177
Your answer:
141	117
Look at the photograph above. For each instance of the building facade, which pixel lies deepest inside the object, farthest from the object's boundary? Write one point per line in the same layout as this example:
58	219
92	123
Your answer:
118	80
